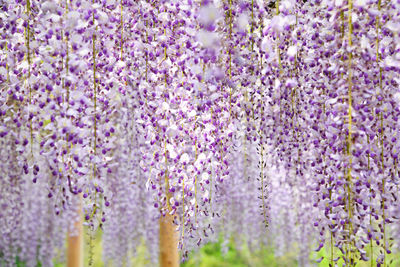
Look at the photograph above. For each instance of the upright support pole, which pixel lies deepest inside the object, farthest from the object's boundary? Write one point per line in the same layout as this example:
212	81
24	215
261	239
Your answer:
169	256
75	240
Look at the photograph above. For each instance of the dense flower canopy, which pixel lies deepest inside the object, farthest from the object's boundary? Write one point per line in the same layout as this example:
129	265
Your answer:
275	120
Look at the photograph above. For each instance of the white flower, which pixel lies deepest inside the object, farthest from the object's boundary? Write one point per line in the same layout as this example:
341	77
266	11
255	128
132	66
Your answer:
277	84
49	6
267	44
185	158
242	22
338	3
207	39
205	176
103	17
292	51
286	5
171	150
165	106
164	17
391	62
209	14
360	3
290	83
73	18
397	97
392	26
192	113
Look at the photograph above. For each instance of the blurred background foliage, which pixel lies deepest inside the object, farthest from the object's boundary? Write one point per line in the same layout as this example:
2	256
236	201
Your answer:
212	255
218	254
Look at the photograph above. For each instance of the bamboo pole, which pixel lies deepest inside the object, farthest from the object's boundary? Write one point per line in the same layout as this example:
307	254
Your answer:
169	256
75	240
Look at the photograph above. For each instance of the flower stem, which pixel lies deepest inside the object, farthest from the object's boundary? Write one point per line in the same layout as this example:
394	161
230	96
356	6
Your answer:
122	27
378	58
94	94
349	136
183	212
230	58
27	36
195	182
370	214
278	51
252	26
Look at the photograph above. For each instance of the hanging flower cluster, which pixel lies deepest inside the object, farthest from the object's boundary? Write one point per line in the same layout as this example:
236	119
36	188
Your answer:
335	72
276	120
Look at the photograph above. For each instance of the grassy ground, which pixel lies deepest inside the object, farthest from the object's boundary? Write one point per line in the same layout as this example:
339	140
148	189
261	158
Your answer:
211	255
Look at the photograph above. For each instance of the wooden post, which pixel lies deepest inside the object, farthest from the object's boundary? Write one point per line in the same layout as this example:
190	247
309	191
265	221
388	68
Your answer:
169	256
75	240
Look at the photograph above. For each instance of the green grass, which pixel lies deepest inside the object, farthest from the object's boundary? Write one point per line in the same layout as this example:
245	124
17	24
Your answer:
211	255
